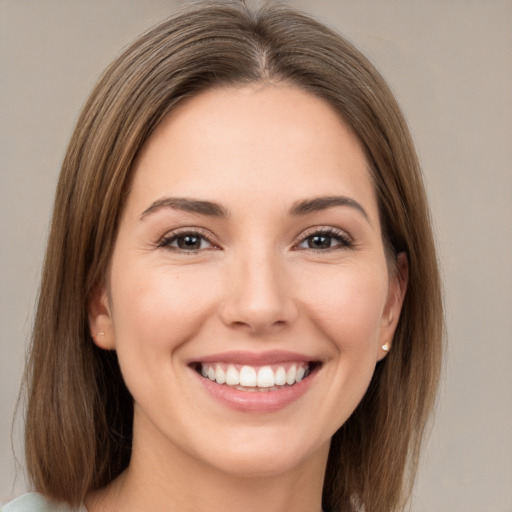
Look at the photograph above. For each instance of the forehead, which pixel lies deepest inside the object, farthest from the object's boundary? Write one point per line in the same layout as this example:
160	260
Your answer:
272	141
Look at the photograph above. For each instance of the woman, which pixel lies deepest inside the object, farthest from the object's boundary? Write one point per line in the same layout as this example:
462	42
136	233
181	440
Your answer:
240	306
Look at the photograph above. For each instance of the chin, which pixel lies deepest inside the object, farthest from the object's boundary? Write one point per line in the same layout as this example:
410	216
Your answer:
263	457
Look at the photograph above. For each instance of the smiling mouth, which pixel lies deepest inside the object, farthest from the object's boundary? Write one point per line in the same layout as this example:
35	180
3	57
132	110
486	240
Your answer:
256	378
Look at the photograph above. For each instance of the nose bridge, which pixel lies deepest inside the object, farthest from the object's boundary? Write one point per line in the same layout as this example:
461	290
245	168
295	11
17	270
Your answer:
258	291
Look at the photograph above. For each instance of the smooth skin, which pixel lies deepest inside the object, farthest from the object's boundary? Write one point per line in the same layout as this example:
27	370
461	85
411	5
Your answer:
253	273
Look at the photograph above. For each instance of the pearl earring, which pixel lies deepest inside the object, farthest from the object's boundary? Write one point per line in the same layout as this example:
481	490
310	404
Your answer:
385	347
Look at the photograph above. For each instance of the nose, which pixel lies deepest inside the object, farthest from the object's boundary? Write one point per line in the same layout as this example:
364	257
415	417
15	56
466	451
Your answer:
258	295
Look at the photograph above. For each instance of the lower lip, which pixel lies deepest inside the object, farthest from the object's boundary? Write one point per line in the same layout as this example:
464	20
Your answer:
256	401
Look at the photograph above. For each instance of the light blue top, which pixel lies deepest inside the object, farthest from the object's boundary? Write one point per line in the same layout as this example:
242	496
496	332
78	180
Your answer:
35	502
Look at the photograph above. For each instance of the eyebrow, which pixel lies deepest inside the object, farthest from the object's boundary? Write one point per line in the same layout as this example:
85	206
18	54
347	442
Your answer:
213	209
322	203
187	205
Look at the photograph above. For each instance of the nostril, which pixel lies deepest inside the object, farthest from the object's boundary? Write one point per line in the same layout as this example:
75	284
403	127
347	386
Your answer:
240	324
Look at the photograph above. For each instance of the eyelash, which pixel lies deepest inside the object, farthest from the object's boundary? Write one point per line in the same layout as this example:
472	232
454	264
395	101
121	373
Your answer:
344	241
342	237
167	240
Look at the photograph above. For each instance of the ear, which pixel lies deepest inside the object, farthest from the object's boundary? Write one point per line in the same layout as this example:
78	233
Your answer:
100	318
396	294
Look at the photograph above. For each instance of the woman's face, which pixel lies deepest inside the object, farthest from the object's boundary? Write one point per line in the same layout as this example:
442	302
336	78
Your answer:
248	294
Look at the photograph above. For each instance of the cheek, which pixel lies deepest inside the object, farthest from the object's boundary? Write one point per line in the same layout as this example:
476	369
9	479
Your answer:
155	311
347	310
158	309
348	305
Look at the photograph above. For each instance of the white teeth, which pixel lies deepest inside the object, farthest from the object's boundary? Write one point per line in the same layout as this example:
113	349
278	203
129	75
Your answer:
220	374
290	375
232	376
280	377
265	377
248	378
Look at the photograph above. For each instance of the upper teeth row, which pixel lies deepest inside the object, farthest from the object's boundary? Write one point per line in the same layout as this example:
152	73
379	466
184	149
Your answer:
248	376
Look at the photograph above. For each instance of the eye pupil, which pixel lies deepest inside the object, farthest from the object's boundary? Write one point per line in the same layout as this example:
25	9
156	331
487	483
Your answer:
189	242
319	242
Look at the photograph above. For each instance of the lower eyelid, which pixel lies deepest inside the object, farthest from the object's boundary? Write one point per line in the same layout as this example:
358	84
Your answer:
340	244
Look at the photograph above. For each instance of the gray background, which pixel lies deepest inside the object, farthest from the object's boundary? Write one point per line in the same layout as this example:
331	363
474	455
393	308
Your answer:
450	65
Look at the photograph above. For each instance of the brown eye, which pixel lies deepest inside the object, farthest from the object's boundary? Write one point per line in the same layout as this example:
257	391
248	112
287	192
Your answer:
325	240
319	242
186	242
189	242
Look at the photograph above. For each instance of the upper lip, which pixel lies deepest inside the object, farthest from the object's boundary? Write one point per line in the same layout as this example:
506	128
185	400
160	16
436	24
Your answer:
254	358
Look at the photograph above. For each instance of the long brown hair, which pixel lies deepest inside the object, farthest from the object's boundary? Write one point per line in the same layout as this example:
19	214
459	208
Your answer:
79	412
